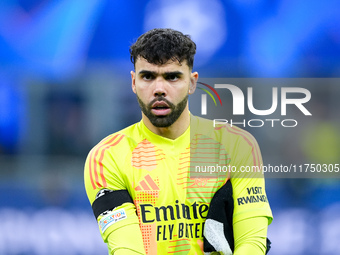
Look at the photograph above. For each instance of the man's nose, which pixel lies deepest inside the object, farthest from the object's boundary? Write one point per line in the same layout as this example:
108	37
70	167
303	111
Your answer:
160	87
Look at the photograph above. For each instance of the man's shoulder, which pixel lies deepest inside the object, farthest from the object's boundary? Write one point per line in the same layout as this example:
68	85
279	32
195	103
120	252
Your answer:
122	139
220	131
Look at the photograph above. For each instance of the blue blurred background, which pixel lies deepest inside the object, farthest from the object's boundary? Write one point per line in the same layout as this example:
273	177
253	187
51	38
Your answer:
65	84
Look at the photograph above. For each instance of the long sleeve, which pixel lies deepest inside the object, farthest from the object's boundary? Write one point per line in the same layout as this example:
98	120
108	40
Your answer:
250	236
126	239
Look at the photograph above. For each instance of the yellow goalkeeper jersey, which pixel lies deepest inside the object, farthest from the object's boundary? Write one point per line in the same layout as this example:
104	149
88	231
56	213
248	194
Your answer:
172	182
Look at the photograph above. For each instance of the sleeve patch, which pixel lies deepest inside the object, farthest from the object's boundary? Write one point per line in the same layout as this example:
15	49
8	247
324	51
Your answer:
111	218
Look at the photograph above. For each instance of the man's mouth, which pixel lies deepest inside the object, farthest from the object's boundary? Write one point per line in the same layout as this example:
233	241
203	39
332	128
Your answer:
160	108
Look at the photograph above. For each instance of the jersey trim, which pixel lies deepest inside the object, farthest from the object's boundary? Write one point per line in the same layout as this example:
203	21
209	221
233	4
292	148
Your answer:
95	161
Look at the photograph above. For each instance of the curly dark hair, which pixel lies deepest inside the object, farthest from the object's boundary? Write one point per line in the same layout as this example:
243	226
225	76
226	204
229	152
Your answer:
160	45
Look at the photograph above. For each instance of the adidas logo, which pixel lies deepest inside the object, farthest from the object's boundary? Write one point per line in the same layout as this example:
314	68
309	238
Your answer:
147	184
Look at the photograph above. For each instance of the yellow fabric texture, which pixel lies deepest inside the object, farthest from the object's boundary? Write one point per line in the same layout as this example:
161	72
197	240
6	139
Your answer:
125	252
126	239
250	236
171	199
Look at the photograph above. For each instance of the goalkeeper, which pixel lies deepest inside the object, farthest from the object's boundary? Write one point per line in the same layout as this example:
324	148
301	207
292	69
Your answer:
140	180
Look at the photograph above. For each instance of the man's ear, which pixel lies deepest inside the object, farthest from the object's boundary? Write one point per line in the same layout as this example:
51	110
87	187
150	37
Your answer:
133	81
193	82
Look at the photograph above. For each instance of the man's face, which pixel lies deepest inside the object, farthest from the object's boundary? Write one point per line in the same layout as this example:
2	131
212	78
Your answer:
162	90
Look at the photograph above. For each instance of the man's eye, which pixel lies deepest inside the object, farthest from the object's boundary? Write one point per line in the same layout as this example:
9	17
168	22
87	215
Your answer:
172	77
147	77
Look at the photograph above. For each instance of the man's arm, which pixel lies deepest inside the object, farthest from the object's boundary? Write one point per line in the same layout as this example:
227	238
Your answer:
252	213
111	202
222	233
126	239
251	236
120	229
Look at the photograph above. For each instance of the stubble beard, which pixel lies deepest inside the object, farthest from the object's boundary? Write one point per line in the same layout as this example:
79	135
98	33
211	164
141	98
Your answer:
166	120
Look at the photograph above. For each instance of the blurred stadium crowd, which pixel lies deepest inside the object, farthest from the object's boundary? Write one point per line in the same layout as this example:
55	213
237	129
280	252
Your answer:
65	84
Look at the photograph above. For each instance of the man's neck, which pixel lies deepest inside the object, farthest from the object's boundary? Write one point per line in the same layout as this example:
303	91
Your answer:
175	130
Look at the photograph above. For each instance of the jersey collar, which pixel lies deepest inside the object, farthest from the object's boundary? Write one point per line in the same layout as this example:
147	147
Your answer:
173	146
